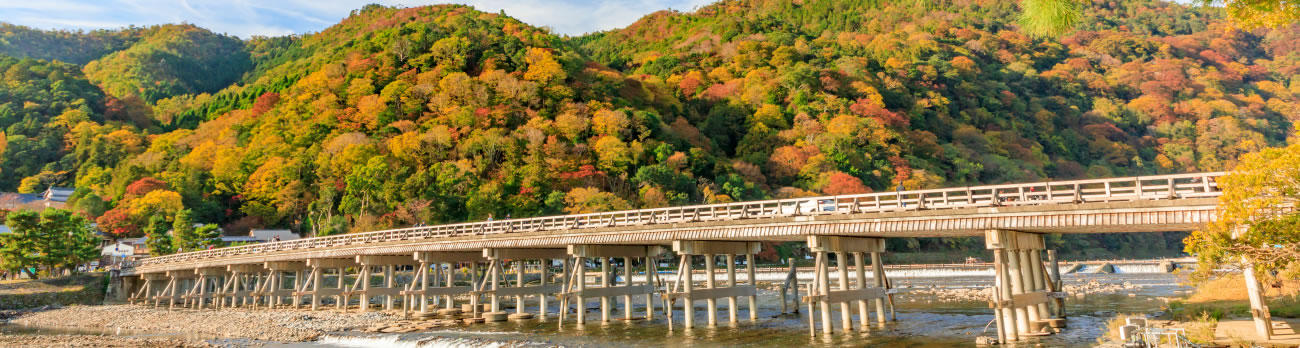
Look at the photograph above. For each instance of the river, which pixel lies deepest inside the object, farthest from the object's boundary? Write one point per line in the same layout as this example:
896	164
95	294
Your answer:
922	322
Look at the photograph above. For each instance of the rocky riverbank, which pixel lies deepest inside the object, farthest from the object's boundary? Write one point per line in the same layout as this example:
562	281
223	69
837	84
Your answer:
1079	288
285	325
97	341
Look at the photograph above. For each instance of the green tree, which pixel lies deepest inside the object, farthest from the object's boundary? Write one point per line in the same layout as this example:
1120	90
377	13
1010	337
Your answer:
184	235
50	241
159	242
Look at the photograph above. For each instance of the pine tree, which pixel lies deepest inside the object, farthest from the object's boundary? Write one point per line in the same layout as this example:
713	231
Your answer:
53	240
209	235
183	234
159	242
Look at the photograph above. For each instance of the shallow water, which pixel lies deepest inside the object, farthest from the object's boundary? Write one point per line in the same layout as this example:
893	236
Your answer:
921	322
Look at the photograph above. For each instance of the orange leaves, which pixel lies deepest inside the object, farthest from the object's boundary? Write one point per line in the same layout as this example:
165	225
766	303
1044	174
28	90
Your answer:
786	161
840	183
963	64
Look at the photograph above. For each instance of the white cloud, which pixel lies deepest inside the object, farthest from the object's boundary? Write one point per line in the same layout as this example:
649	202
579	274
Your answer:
246	18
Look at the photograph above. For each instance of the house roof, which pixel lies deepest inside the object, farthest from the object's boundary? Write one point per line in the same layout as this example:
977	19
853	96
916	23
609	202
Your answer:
58	194
229	239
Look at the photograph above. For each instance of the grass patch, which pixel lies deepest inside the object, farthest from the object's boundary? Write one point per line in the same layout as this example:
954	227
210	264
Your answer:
1226	297
76	289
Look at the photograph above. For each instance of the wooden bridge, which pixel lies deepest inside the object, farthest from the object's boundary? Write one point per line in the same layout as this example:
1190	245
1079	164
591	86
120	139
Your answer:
574	259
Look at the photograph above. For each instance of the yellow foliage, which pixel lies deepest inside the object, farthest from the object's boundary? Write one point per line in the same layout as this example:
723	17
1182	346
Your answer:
157	202
592	200
844	125
610	122
542	66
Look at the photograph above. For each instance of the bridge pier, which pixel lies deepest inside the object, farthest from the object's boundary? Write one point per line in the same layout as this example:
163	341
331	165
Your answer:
206	287
389	291
1022	288
576	278
711	292
821	293
444	282
273	287
313	285
237	284
495	282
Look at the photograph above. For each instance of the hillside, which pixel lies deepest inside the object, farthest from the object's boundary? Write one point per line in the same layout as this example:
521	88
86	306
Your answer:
67	46
171	60
442	113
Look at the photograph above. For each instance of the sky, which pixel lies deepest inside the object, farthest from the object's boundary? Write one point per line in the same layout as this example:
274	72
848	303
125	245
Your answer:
246	18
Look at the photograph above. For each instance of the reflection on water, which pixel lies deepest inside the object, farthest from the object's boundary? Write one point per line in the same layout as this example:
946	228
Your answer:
922	322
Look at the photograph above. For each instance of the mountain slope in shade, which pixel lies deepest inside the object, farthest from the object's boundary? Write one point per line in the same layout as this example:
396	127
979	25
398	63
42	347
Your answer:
77	47
171	60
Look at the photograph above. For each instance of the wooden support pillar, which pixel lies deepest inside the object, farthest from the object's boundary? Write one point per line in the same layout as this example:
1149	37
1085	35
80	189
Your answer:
543	265
709	264
688	306
651	274
823	287
580	283
627	283
731	282
1007	317
1055	270
1027	286
842	265
519	283
753	282
1040	280
863	317
878	271
604	283
389	283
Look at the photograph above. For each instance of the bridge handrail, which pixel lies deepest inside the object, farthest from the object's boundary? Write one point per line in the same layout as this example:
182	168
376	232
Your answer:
1174	186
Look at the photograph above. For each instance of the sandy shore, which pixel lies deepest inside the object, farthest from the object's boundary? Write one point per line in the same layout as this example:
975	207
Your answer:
285	325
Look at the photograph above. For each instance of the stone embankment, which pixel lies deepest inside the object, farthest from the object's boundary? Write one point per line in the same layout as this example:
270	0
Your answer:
285	325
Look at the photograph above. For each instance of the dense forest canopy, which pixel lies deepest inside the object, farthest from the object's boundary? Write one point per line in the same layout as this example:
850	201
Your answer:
397	116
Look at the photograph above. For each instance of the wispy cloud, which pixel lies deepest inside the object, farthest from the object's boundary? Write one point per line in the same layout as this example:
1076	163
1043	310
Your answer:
247	18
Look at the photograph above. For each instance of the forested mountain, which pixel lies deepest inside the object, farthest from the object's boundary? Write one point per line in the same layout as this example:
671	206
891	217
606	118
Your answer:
67	46
443	113
171	60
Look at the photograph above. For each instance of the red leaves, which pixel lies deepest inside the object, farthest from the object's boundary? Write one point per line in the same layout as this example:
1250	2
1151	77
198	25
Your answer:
144	186
265	102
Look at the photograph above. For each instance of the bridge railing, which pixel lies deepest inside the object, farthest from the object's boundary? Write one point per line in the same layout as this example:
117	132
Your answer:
1176	186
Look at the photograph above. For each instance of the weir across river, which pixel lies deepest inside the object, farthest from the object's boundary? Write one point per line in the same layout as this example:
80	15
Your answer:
679	256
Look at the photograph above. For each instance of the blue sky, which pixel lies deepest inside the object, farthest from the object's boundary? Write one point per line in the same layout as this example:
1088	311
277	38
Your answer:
246	18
